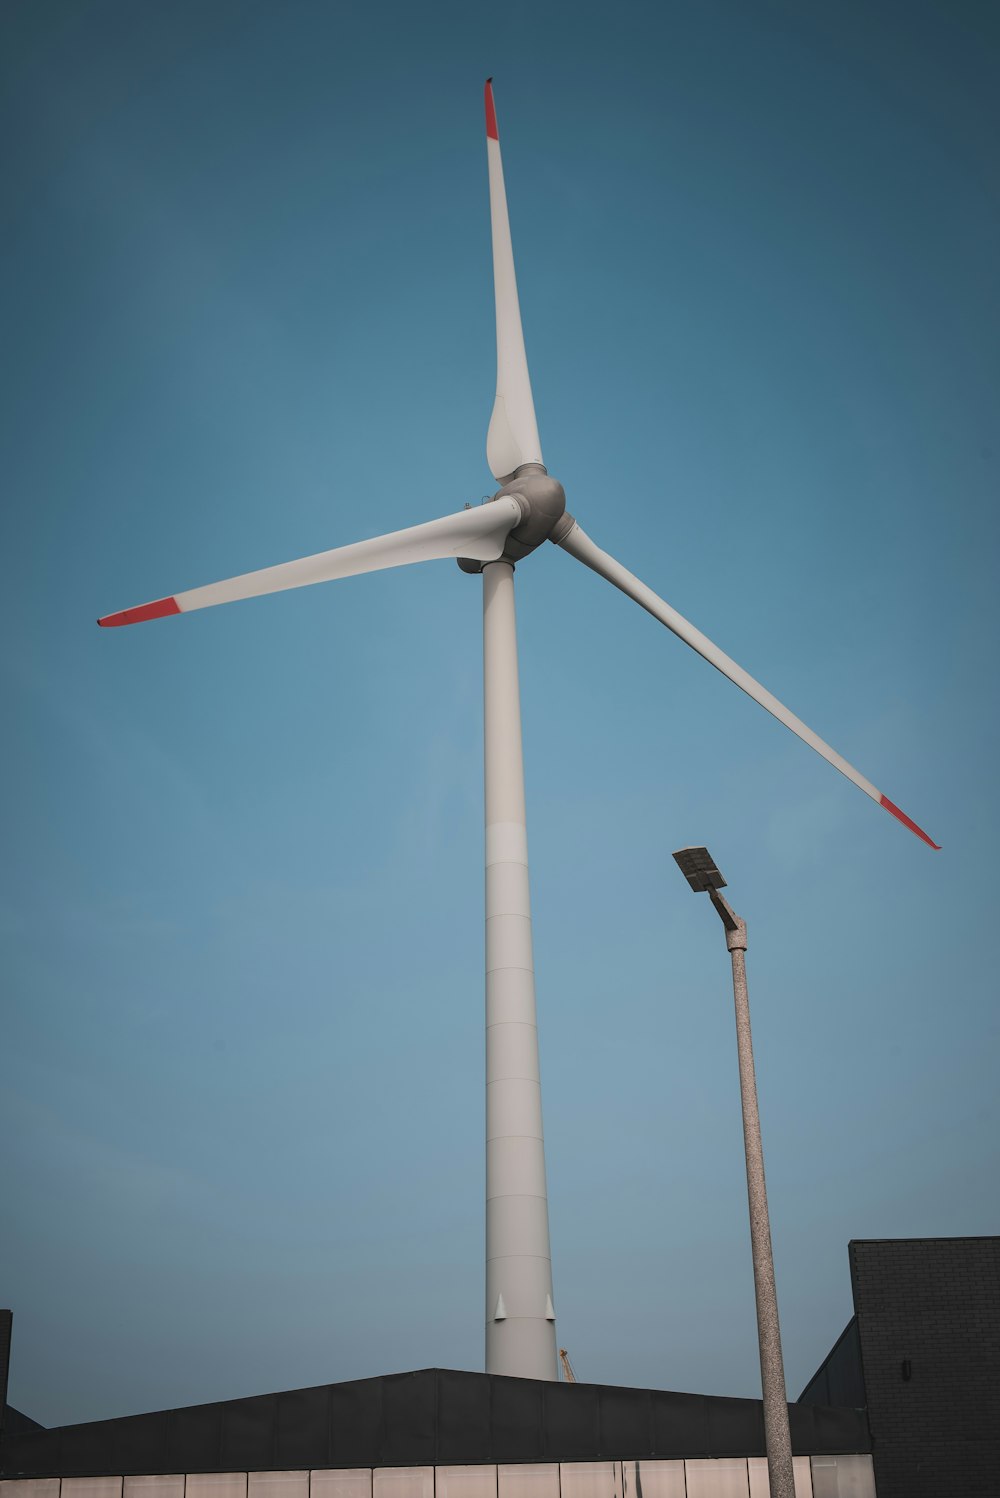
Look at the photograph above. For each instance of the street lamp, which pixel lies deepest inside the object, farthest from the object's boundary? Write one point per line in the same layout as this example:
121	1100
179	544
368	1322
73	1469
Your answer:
700	871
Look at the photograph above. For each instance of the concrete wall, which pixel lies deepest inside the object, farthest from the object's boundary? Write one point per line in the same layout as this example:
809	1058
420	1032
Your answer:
720	1477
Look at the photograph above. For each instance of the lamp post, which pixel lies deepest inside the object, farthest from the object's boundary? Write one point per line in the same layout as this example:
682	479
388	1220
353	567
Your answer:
701	873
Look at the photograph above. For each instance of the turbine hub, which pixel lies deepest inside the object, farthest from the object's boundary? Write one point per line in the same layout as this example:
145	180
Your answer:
543	504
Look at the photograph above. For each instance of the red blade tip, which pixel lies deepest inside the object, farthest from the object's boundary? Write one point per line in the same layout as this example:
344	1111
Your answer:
491	114
158	609
884	801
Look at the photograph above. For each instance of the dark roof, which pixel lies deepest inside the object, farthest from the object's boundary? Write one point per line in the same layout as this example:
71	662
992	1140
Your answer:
839	1378
432	1417
14	1422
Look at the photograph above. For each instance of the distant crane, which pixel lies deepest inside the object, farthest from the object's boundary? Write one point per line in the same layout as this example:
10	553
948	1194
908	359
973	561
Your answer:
567	1366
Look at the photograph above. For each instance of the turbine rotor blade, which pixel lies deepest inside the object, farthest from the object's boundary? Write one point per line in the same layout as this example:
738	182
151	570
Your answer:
513	434
480	533
579	545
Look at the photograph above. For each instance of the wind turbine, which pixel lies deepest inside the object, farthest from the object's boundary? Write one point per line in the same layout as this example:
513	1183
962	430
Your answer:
527	509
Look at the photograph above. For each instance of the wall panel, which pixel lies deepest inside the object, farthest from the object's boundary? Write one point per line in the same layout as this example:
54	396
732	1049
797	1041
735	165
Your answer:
403	1482
278	1485
91	1487
530	1480
843	1477
590	1479
761	1488
349	1482
654	1480
30	1487
166	1486
718	1477
216	1485
465	1482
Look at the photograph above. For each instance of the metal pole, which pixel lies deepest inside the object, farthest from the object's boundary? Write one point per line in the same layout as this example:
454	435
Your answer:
777	1436
520	1320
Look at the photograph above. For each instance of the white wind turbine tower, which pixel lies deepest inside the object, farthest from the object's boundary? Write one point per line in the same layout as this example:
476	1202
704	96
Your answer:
527	509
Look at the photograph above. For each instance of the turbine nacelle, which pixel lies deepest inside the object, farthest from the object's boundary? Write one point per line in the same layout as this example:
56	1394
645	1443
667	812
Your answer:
542	501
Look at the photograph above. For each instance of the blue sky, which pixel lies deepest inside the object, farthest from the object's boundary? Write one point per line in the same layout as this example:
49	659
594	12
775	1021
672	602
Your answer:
247	315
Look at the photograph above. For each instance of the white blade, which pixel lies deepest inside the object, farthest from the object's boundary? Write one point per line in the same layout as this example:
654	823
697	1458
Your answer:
480	533
513	434
579	545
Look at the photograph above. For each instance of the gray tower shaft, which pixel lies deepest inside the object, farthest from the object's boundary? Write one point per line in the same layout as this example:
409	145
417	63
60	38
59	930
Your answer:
520	1319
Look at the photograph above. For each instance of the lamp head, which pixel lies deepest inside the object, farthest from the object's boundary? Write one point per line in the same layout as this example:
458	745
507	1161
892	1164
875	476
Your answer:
698	867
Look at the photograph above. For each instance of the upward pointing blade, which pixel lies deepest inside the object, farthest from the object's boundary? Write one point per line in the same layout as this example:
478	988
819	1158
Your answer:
579	545
513	434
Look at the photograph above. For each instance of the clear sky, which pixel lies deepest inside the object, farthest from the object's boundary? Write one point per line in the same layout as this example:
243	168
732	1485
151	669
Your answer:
247	315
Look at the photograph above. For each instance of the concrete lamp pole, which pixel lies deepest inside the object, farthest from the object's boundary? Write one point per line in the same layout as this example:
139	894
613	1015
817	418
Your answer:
699	870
